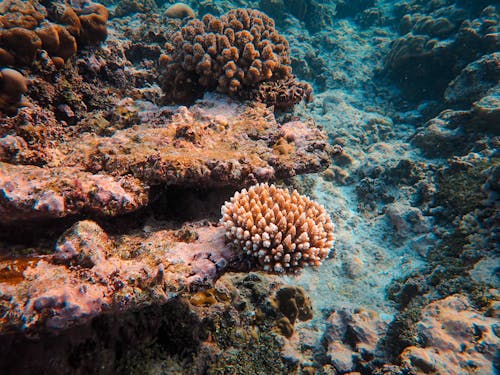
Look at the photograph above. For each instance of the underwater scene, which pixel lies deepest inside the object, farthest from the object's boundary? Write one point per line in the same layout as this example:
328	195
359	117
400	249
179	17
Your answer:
250	187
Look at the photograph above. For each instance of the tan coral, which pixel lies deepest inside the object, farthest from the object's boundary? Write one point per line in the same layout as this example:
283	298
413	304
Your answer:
180	10
12	87
93	19
283	231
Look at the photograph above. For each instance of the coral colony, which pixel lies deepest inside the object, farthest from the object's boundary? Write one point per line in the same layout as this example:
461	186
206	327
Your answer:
237	54
283	231
173	199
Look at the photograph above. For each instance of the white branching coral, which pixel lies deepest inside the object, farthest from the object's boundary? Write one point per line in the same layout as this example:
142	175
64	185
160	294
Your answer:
282	231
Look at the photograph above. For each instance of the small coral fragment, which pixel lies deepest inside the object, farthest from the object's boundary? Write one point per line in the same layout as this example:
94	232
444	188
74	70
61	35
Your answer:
283	231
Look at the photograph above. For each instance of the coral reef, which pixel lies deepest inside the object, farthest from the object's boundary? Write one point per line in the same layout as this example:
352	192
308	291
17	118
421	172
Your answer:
90	272
26	27
30	192
238	330
112	256
475	80
424	60
280	230
353	337
182	147
230	54
315	15
127	7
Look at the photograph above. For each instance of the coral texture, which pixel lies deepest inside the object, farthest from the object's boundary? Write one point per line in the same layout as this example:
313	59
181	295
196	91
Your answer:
29	192
283	231
230	54
127	7
59	290
215	143
315	15
456	339
26	27
424	60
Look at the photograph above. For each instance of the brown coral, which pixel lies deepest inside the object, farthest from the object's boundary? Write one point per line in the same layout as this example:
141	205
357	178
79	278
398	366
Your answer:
231	54
283	94
26	27
12	86
283	231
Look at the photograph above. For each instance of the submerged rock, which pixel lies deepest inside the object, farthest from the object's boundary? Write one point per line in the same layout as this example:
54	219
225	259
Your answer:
455	339
90	273
215	143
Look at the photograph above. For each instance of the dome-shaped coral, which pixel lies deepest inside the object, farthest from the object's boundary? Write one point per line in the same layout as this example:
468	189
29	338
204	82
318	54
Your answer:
283	231
232	54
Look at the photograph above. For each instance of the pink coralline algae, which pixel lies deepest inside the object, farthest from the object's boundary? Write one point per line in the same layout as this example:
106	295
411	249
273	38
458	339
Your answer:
91	272
32	192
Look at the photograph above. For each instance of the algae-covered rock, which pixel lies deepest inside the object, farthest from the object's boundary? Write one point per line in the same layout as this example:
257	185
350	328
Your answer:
454	337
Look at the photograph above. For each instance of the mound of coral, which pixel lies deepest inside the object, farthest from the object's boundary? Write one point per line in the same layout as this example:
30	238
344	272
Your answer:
233	54
28	26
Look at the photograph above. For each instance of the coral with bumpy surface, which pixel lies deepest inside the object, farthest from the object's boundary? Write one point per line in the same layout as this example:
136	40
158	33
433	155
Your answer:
27	26
230	54
283	231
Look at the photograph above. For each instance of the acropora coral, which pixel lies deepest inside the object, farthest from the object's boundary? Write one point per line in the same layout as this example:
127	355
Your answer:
282	231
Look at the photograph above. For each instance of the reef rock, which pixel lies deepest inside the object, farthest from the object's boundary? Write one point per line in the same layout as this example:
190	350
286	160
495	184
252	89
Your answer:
30	192
215	143
352	336
90	273
474	80
456	339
